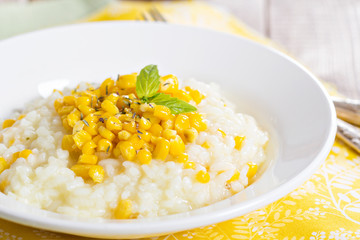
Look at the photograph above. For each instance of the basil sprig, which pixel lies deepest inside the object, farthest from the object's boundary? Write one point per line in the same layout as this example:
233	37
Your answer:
147	87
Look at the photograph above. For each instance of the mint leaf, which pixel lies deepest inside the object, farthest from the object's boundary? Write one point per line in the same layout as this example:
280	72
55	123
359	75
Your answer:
175	105
147	82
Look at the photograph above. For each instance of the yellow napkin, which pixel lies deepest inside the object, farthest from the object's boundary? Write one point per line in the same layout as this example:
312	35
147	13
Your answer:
327	206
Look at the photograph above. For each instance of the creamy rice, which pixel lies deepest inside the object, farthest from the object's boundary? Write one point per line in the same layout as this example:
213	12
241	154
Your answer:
160	188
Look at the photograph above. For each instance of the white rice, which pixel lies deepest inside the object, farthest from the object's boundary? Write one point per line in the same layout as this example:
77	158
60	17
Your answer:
45	181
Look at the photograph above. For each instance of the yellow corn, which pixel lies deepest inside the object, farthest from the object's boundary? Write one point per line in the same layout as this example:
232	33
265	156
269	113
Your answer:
177	146
162	112
127	81
238	141
85	101
151	117
146	136
149	146
162	149
190	135
91	128
109	107
222	132
124	135
68	143
58	103
169	84
144	156
106	86
197	122
3	164
182	158
189	164
21	116
104	145
147	108
87	159
89	147
86	110
127	150
8	123
81	137
15	156
92	118
113	124
235	176
105	133
144	123
206	145
81	170
96	173
195	94
113	98
252	169
136	141
168	124
155	130
64	110
169	134
73	117
123	209
182	122
79	125
69	100
181	94
97	138
129	126
203	176
25	153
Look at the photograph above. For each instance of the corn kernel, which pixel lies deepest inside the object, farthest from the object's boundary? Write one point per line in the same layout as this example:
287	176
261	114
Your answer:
124	135
25	153
144	156
206	145
127	81
21	116
106	86
58	103
151	117
147	108
113	124
109	107
146	136
189	165
197	122
96	173
87	159
81	137
105	133
123	209
149	146
203	176
81	170
144	123
92	118
182	122
65	110
69	100
15	156
73	117
86	110
68	143
127	150
97	138
3	164
169	134
104	145
253	167
162	112
190	135
169	84
91	128
168	124
113	98
162	149
89	147
181	94
177	146
235	176
85	101
182	158
195	94
129	126
238	141
156	130
65	124
136	141
8	123
79	125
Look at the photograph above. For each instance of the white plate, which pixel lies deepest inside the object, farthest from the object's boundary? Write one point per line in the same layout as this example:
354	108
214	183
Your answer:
280	93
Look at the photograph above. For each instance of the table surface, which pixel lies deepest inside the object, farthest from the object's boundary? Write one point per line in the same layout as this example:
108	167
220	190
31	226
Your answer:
324	35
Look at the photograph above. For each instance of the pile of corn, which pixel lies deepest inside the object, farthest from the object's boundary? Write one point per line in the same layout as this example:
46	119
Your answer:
111	121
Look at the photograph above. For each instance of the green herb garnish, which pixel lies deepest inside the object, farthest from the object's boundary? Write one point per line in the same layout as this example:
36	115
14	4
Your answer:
147	87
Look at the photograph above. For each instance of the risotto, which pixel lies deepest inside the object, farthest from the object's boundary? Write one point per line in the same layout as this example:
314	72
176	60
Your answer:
137	146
